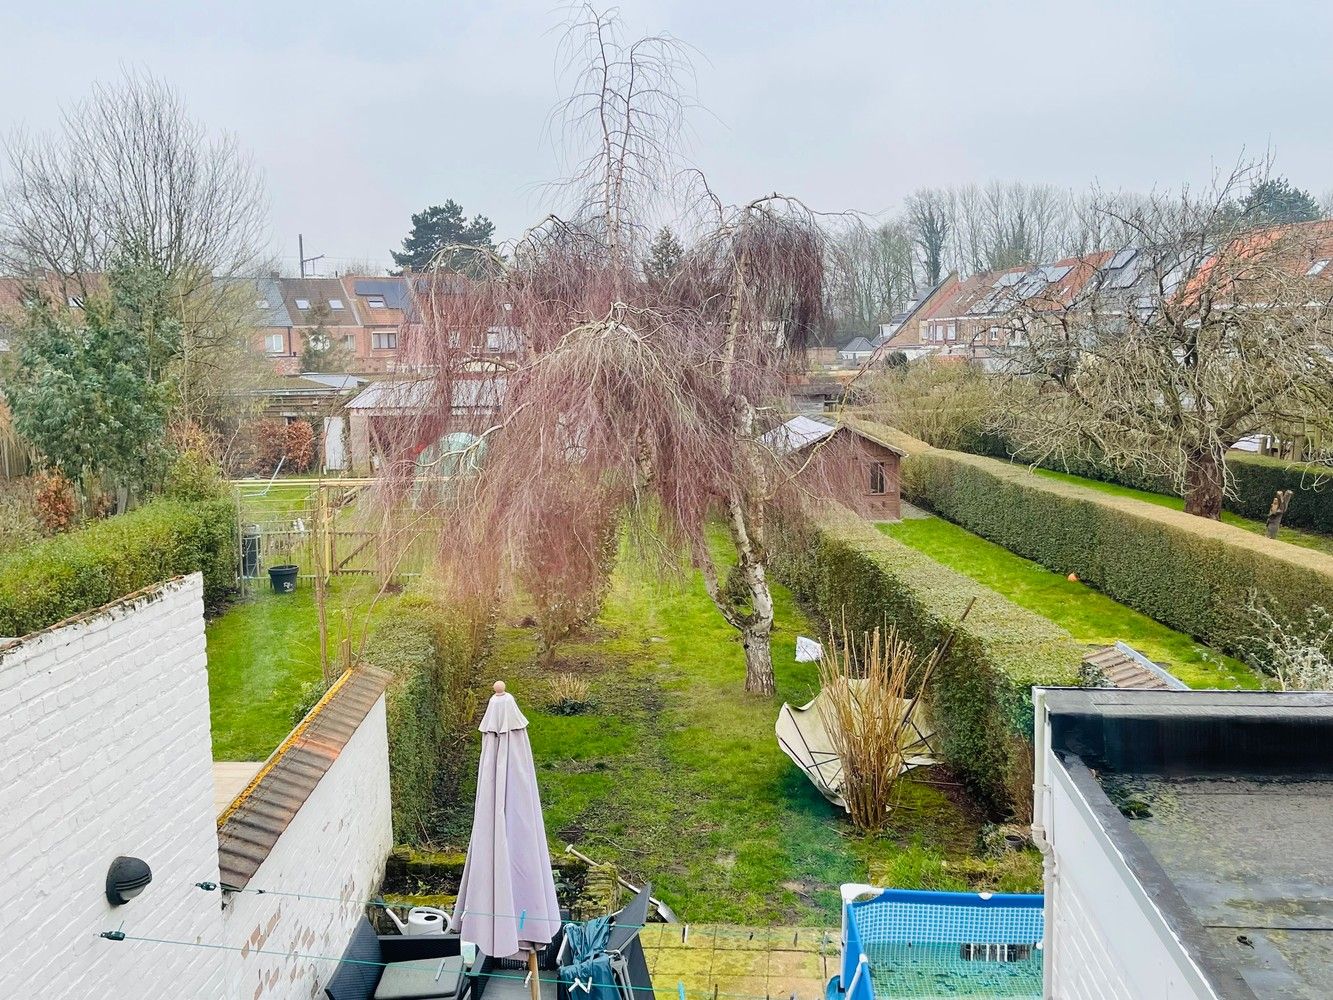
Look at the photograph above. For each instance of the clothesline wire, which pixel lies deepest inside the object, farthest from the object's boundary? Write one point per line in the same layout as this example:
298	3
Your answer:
513	977
521	917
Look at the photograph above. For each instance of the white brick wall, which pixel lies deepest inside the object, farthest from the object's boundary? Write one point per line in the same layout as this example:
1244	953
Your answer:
104	750
1106	940
336	846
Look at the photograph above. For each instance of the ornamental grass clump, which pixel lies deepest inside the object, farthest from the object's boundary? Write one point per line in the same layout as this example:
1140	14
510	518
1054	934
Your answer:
870	695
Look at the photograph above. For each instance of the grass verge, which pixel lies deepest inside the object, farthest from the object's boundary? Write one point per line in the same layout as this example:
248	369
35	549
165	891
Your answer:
1089	616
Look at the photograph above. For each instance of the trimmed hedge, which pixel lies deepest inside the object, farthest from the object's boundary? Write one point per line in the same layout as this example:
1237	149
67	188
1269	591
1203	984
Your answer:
432	651
1184	571
1256	478
980	698
76	572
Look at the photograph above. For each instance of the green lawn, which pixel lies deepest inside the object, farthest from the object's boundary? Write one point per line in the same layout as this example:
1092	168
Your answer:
677	778
1087	614
1305	539
262	652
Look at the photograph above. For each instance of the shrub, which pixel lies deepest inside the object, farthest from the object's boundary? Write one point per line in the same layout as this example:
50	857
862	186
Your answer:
570	694
193	472
19	525
1184	571
432	650
85	569
298	446
54	503
980	697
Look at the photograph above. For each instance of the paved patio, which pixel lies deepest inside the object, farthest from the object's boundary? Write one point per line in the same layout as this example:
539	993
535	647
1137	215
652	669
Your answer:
777	962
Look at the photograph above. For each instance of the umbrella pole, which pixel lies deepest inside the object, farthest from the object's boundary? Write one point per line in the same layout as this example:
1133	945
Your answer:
532	975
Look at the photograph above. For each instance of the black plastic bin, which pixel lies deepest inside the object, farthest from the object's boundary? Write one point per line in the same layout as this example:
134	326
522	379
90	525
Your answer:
283	578
250	551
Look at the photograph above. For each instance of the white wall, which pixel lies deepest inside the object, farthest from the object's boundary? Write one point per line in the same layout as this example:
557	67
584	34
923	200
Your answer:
1104	937
335	845
104	750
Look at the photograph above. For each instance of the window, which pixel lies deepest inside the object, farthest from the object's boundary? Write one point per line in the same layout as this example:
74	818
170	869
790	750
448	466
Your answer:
4	345
303	304
953	332
275	343
349	342
375	301
318	341
1316	268
494	342
938	332
384	340
74	302
335	303
878	481
455	341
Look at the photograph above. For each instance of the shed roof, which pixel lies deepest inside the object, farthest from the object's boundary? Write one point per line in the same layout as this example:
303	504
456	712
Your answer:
858	345
797	433
252	824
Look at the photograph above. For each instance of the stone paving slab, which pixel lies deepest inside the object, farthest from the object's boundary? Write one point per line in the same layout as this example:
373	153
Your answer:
740	962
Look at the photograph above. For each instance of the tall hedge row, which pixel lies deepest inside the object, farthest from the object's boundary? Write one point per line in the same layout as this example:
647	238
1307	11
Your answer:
1187	572
76	572
980	699
1256	479
432	651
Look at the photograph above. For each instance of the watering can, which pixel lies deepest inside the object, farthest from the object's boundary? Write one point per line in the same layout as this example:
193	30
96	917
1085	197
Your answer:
421	920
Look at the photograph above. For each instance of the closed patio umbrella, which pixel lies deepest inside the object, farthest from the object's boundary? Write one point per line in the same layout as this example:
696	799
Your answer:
507	880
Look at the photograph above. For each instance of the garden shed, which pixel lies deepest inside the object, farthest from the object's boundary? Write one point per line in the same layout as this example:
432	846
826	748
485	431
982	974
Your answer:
856	469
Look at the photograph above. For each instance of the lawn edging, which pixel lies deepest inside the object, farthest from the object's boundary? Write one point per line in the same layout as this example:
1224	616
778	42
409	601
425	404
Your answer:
980	698
1187	572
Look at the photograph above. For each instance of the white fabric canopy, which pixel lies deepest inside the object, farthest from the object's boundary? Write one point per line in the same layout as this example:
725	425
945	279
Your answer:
507	880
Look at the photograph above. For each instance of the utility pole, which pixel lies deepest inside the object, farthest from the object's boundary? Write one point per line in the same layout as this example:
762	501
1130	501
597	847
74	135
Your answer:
300	253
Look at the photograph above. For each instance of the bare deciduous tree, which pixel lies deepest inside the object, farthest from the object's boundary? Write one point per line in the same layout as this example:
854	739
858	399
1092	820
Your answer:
871	274
131	180
654	393
1196	334
930	220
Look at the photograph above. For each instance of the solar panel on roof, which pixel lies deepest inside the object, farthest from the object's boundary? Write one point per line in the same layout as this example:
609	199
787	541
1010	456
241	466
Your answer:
1054	272
1121	258
1009	279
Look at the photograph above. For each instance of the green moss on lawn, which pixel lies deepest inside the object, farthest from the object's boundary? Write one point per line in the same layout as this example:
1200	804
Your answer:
1089	616
676	776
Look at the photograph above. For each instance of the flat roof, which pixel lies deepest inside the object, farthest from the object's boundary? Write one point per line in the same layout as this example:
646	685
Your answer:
1221	803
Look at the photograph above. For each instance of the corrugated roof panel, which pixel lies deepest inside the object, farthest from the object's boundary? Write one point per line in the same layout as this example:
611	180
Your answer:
250	827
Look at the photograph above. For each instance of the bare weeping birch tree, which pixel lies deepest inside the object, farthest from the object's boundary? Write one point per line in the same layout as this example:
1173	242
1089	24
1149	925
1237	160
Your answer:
649	399
1197	332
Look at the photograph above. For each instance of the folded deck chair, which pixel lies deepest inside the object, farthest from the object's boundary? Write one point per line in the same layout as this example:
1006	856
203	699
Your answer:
803	736
618	952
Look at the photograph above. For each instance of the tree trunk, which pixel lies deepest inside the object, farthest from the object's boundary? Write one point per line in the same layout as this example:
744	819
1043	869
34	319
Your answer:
758	657
1204	483
757	634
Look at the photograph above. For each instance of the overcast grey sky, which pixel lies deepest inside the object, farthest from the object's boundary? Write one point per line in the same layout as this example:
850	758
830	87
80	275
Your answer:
361	113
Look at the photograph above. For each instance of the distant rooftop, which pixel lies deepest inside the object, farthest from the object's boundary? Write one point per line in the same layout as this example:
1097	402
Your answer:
1221	804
